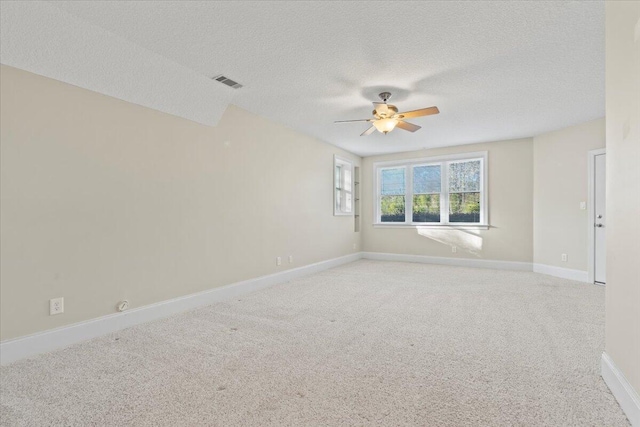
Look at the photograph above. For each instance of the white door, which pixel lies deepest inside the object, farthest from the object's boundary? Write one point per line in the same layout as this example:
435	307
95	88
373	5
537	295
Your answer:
600	220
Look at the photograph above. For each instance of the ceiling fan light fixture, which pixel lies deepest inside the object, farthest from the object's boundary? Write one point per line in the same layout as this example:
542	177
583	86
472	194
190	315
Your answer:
385	125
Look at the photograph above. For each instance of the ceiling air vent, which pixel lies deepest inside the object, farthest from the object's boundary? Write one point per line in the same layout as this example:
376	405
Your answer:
227	81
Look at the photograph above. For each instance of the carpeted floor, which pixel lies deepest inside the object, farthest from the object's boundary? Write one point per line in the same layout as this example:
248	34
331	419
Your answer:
368	343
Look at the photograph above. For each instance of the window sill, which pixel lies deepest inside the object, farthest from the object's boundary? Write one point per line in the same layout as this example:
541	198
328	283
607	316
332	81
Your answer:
435	226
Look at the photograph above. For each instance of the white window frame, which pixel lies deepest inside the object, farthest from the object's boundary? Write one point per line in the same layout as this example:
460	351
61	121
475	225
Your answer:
344	163
444	162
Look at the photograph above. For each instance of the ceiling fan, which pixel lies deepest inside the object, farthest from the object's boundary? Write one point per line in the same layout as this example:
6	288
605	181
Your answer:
387	117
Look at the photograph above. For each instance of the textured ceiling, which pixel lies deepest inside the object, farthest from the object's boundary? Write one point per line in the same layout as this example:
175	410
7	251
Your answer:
37	37
497	70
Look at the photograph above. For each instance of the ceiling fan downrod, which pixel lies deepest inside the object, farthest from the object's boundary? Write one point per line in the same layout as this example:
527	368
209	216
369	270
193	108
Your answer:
384	96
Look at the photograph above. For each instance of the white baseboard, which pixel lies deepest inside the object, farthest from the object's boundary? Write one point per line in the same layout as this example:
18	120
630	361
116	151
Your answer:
462	262
42	342
564	273
624	393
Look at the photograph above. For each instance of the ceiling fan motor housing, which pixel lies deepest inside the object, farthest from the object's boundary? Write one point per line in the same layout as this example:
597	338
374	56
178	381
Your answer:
391	111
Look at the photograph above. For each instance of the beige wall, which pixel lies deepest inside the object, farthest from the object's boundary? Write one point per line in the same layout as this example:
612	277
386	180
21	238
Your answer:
623	188
560	181
104	200
510	237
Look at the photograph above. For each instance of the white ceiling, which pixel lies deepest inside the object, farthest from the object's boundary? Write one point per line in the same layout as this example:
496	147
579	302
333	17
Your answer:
497	70
40	38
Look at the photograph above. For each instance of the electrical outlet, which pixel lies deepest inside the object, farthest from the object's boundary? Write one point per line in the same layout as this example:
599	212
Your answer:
278	260
290	259
583	206
56	306
454	249
564	258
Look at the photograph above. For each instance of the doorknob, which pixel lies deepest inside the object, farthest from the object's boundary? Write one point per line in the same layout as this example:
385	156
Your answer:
599	225
599	216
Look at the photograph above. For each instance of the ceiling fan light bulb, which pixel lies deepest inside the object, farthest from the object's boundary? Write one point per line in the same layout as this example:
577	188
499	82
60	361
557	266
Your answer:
385	125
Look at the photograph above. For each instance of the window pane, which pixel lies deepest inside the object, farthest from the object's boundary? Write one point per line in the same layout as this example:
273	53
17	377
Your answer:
338	176
464	207
347	202
339	200
426	179
426	208
347	179
392	208
392	181
464	176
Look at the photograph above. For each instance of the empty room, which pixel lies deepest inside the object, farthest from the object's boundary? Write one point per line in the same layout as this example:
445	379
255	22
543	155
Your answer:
320	213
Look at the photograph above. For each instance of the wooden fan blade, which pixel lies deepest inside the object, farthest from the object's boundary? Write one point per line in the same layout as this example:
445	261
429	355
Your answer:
368	131
407	126
352	121
419	113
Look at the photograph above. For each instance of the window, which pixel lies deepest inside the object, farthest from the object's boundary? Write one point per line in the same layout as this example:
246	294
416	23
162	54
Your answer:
392	194
447	190
427	186
464	191
343	195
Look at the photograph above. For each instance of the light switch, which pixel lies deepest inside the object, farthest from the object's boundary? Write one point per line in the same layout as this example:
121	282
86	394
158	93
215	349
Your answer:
583	205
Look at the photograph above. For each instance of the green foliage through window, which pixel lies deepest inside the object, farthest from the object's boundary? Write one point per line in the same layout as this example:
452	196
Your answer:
426	208
464	207
392	208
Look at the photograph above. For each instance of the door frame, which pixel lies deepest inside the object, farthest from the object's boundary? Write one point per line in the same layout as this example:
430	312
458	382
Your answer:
591	197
